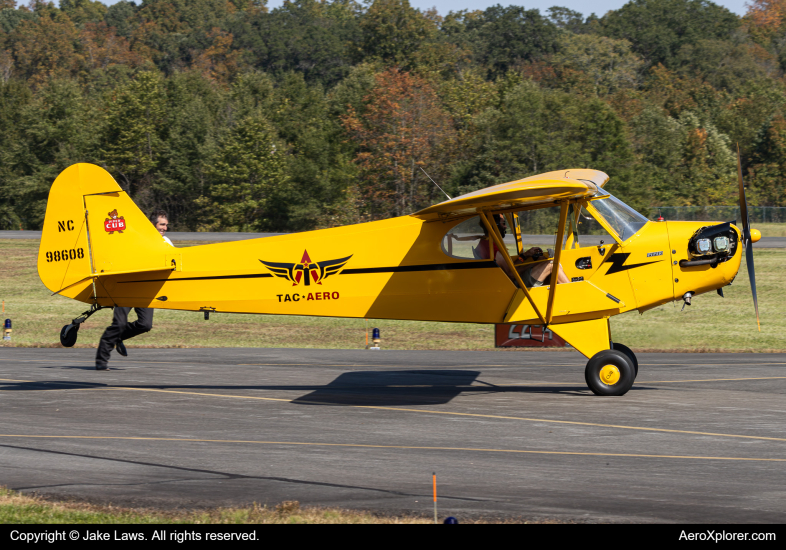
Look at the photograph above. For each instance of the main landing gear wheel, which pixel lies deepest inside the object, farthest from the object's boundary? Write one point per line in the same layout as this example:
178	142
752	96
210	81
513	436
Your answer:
609	372
632	356
68	335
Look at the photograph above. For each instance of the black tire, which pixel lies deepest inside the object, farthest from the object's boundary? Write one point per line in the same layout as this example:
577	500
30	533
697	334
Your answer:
632	356
615	360
68	335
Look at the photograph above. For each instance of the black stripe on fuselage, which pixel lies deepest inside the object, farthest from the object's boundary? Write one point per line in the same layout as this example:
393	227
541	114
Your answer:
251	276
360	271
428	267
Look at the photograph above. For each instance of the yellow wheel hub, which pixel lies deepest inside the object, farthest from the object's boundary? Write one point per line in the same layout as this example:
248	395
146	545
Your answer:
609	375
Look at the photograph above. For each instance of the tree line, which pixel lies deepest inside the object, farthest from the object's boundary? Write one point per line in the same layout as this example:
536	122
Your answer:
233	117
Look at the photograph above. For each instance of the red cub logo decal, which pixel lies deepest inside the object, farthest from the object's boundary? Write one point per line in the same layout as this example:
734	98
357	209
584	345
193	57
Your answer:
114	223
306	271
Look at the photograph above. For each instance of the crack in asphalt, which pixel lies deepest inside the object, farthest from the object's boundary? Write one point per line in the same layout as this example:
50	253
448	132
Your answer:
225	475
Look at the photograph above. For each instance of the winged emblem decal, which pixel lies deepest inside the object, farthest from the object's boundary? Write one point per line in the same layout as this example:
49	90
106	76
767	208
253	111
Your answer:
306	271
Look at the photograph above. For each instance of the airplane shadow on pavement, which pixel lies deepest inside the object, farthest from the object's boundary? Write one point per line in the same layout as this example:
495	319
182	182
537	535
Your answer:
416	387
407	387
369	388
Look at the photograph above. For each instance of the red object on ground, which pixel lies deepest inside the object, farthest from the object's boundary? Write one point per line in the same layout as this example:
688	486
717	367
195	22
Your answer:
526	336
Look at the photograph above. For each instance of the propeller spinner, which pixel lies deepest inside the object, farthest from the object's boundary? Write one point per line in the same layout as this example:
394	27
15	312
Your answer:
746	237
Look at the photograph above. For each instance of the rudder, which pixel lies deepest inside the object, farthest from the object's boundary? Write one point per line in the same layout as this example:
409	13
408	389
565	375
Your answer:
92	227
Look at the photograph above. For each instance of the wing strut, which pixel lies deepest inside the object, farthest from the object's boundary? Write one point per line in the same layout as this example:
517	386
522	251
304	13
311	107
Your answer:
492	229
563	218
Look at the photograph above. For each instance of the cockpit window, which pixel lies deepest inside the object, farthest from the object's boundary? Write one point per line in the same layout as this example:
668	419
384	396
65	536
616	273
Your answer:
621	217
464	241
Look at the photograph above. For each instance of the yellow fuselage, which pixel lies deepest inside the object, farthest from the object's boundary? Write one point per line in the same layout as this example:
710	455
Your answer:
99	248
397	270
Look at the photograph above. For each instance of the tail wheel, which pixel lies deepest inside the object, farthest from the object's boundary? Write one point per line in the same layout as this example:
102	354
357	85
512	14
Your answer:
609	372
68	335
632	356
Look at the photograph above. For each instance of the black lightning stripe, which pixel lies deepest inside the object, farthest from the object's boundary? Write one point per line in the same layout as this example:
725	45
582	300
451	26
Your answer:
617	260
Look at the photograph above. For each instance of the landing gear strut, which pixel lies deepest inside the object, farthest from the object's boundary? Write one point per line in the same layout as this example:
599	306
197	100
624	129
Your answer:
69	333
611	371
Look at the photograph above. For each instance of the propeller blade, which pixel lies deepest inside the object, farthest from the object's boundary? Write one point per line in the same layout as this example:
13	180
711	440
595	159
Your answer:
746	237
746	223
752	277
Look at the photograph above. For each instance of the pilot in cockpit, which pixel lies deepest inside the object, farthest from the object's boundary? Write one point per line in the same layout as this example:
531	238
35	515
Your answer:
533	275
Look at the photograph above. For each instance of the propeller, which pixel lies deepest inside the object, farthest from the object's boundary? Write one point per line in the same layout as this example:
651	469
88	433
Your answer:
746	237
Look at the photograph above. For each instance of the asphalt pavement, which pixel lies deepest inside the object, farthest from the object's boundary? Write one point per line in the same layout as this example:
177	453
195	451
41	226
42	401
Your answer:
699	438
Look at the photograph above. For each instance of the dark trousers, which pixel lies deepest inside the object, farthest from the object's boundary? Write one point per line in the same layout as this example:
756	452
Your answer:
121	329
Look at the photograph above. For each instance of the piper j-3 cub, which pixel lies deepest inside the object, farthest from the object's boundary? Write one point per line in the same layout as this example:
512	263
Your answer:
99	248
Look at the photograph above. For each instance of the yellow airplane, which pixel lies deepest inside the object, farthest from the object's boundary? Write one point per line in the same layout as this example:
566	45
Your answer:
99	248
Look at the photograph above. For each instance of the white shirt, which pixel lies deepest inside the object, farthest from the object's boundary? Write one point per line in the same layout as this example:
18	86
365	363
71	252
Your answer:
167	240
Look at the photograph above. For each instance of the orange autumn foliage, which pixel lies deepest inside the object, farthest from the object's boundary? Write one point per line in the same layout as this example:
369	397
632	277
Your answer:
102	48
403	127
767	15
219	62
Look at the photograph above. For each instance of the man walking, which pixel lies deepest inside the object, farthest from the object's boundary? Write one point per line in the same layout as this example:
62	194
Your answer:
121	329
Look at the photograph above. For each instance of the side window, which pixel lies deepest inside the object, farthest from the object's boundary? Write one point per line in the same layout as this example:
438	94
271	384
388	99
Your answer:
463	240
539	228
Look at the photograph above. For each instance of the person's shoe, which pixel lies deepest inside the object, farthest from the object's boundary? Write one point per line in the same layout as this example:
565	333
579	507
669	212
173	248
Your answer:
99	366
121	348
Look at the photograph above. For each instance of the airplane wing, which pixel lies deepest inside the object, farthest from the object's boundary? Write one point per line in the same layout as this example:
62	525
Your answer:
331	267
285	271
543	188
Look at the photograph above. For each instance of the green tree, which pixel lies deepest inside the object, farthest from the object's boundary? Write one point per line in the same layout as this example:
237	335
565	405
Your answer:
607	64
678	93
135	134
726	64
392	31
121	15
246	171
572	21
319	161
767	167
173	32
685	160
536	130
56	129
315	38
14	98
747	117
194	107
658	29
10	17
83	11
504	38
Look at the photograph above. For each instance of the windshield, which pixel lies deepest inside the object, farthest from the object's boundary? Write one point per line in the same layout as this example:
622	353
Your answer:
621	217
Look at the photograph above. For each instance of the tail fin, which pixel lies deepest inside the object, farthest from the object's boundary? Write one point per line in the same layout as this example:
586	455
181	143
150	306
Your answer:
92	227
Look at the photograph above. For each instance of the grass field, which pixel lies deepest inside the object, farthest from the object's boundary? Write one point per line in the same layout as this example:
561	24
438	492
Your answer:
711	324
771	229
16	508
